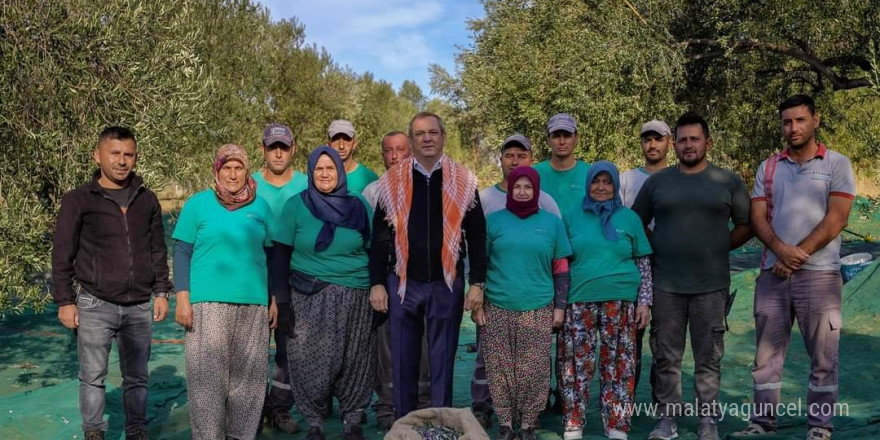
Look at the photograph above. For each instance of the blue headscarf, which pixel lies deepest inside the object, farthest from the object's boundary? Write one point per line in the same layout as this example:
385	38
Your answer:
336	208
604	209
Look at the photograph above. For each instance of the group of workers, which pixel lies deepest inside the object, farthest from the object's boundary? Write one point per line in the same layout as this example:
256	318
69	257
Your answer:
365	279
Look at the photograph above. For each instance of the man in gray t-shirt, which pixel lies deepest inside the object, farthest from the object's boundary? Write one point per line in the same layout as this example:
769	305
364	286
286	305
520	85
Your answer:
655	138
692	205
800	204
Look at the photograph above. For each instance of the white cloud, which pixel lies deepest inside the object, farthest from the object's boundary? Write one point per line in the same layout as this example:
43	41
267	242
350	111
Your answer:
393	39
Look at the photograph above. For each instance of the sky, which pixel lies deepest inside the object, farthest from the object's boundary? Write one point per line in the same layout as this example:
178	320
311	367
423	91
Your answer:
395	40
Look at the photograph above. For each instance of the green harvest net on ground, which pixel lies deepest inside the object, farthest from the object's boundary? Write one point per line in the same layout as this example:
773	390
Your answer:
39	388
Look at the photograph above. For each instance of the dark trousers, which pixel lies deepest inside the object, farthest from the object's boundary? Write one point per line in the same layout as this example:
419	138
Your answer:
427	308
100	322
280	398
480	397
384	405
640	336
672	315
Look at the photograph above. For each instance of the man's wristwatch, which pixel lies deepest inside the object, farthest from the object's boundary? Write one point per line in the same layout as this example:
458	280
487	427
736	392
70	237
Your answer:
161	295
482	286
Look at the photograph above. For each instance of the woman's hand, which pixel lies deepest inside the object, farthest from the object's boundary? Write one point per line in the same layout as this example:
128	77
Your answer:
379	298
558	318
273	314
183	311
643	315
479	316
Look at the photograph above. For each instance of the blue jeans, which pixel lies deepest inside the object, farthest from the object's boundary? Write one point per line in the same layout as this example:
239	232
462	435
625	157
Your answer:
100	322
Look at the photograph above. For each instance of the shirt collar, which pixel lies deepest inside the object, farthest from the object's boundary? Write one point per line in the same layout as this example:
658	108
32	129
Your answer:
820	153
437	165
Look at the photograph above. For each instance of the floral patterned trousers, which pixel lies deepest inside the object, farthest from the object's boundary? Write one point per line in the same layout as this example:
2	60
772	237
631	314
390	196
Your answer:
609	326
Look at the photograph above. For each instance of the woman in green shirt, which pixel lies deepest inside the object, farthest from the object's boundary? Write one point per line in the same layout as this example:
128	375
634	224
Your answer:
221	278
526	287
610	295
321	263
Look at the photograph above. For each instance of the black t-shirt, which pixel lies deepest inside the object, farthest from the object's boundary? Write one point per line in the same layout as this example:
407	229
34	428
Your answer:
121	196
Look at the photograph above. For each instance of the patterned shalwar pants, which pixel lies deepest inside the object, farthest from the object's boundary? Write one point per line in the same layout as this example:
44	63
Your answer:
516	348
226	370
606	329
332	353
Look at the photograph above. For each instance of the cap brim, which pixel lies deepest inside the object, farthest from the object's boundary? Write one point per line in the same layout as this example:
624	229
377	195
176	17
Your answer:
272	139
565	128
332	135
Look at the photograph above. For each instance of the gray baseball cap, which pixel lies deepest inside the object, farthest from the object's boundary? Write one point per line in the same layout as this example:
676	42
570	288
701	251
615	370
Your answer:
657	126
277	133
516	140
562	121
340	126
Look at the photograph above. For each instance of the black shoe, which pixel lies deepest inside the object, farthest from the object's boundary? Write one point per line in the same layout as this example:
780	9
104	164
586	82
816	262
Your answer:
354	433
505	433
527	434
315	433
93	435
139	435
483	416
385	421
280	419
557	402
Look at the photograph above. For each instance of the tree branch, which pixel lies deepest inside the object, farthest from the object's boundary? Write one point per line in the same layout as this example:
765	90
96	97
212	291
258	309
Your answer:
838	82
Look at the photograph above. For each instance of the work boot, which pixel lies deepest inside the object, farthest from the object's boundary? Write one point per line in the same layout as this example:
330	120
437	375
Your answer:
315	433
93	435
483	415
138	435
664	429
385	421
708	429
505	433
354	433
280	419
755	430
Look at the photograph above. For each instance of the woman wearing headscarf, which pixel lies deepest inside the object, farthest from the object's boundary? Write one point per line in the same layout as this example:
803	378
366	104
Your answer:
526	288
611	294
221	278
321	263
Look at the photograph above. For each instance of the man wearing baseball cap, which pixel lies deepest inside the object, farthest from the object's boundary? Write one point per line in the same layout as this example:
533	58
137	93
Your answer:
563	176
516	150
342	137
655	140
277	182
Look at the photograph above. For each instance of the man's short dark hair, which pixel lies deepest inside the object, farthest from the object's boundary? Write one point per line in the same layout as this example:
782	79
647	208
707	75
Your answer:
797	101
421	115
691	118
118	133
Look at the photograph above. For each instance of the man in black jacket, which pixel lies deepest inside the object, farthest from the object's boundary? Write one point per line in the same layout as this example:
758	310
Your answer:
427	221
108	259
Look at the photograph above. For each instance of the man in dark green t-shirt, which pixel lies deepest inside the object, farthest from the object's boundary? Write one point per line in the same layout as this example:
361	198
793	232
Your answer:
692	205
